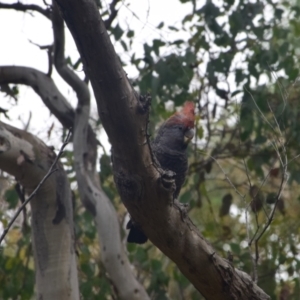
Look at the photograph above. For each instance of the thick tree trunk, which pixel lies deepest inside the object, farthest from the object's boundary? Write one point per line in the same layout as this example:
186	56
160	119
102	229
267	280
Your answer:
29	159
146	190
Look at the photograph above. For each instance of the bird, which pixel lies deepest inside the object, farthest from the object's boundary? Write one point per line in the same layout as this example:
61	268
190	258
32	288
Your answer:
169	148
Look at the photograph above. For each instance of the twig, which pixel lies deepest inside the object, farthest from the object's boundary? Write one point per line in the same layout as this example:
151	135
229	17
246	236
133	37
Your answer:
278	146
271	216
228	179
21	193
284	94
259	110
254	265
49	173
25	7
247	224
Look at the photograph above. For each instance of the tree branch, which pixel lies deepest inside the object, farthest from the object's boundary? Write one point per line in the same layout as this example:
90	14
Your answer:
28	159
33	194
27	7
58	105
145	190
79	86
47	90
44	87
94	199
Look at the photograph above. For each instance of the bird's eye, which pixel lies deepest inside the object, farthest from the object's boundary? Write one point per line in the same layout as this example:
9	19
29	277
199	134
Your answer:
180	127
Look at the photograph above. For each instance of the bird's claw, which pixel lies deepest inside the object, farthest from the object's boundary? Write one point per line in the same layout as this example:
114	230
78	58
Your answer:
183	209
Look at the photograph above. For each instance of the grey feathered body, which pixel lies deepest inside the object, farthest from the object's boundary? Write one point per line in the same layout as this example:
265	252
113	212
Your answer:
173	160
169	149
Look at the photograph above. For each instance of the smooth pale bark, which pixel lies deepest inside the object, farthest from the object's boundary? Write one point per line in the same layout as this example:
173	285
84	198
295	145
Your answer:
112	250
44	86
145	189
29	159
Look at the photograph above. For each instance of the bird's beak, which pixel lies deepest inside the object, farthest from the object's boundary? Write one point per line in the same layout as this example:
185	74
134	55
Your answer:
189	134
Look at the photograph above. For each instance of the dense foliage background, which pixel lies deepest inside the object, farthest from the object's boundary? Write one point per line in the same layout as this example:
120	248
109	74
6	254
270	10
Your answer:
239	62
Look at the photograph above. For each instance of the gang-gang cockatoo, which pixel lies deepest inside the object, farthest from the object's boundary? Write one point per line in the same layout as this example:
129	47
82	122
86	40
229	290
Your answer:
169	148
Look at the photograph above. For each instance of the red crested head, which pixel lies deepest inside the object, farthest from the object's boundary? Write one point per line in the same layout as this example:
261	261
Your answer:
185	117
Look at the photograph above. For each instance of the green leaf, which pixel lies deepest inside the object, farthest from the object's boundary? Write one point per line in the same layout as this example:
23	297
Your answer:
11	196
156	45
124	45
260	139
117	32
185	197
160	25
156	265
200	132
130	34
172	28
278	13
236	249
